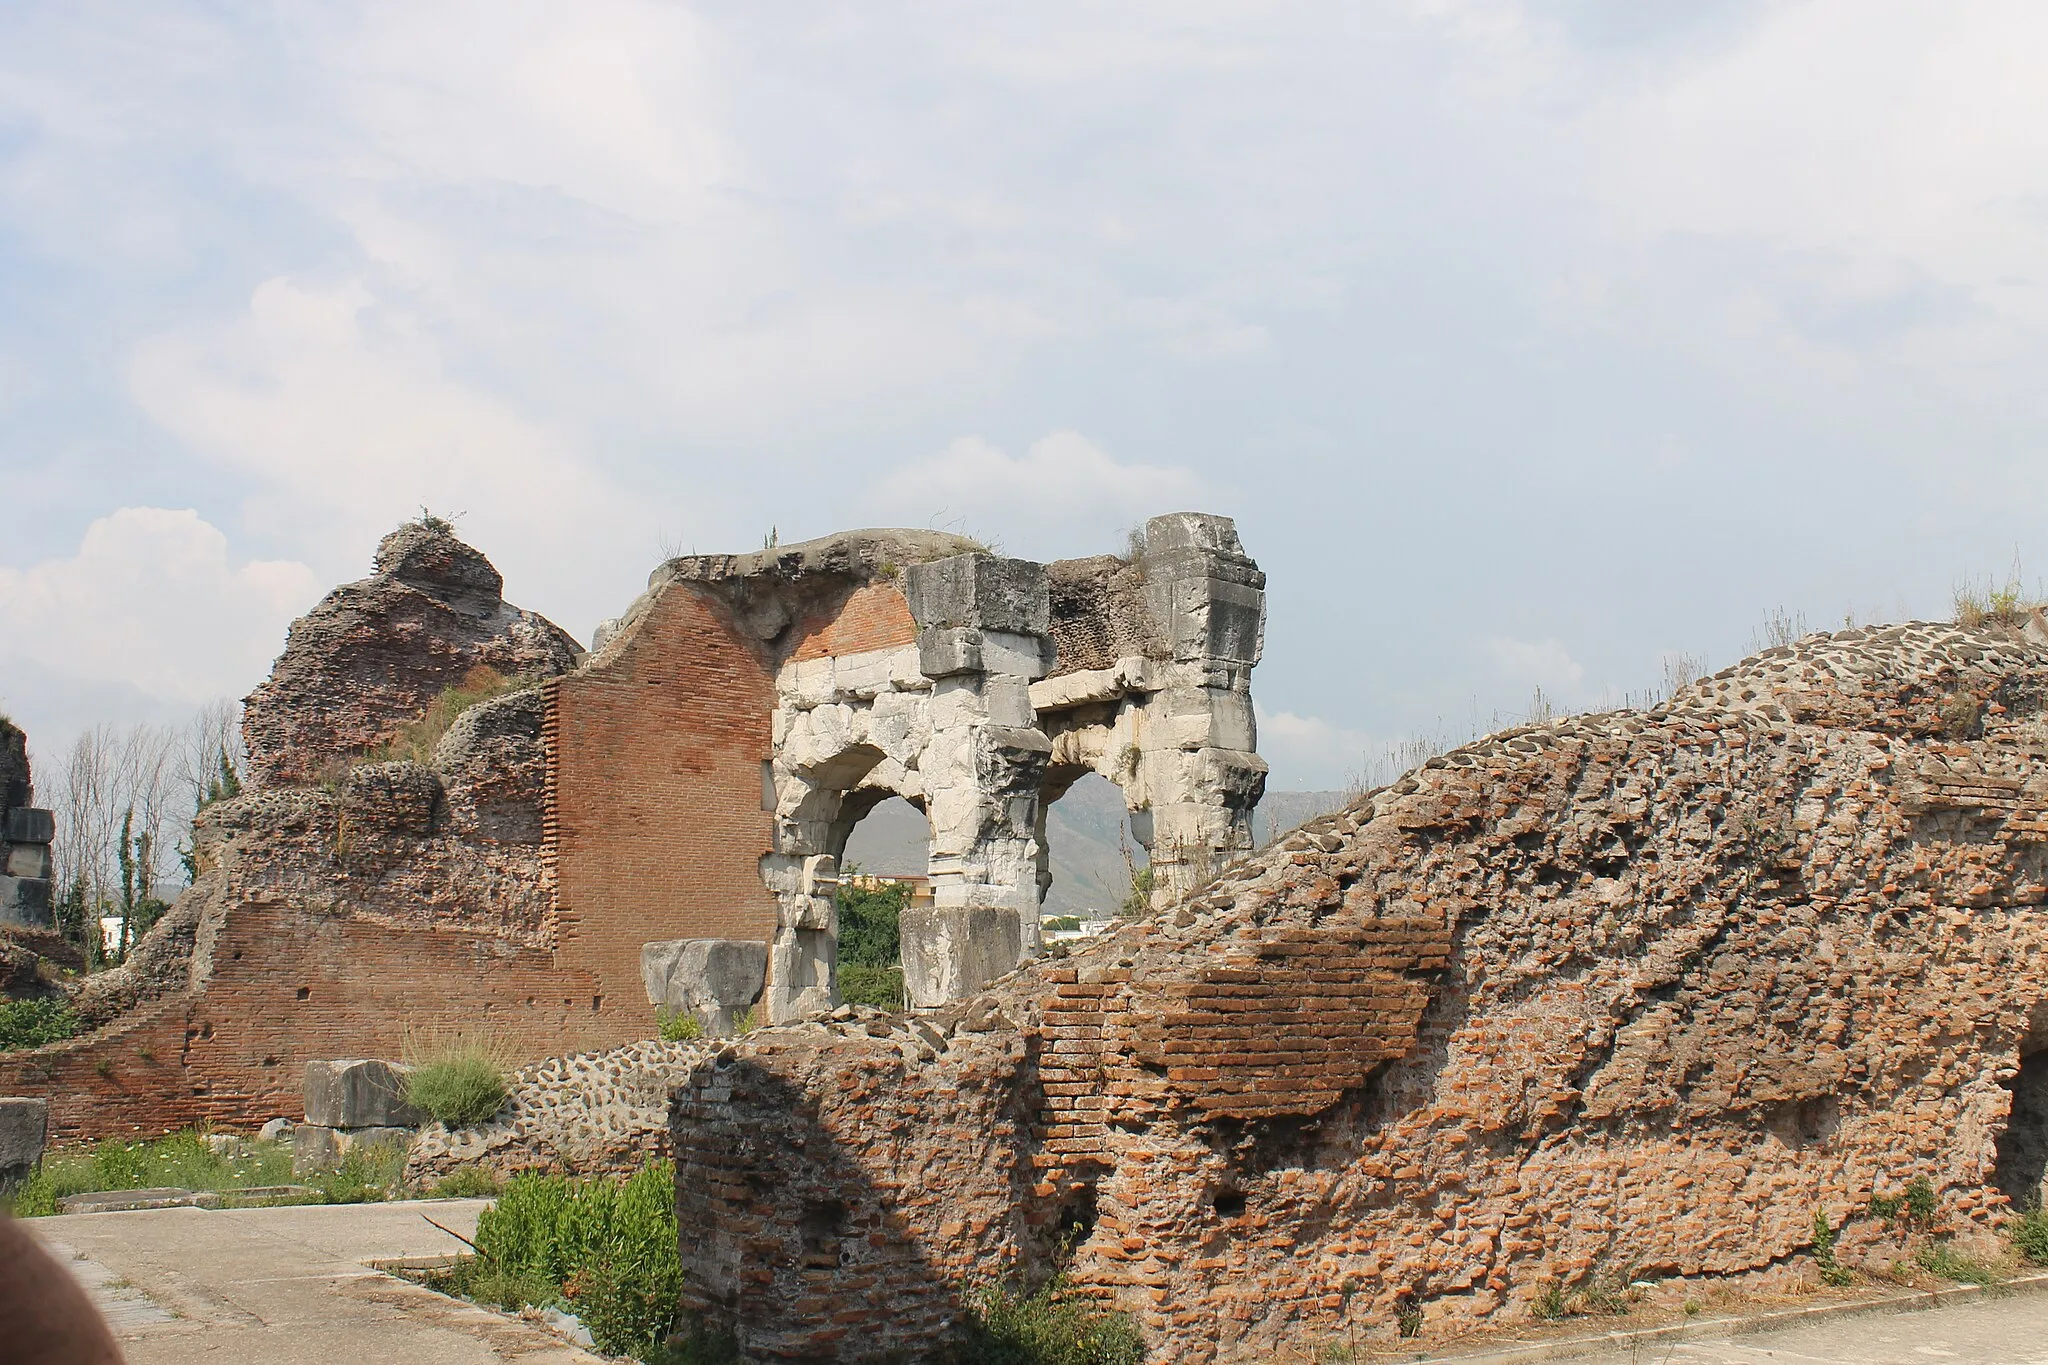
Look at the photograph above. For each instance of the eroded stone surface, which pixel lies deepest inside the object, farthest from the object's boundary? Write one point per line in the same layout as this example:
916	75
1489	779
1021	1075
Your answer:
376	653
1643	989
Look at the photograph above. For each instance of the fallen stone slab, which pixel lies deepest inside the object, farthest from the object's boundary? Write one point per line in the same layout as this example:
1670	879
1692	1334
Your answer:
127	1201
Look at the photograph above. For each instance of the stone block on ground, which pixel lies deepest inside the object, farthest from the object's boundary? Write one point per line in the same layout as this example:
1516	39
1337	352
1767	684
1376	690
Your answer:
951	951
716	979
362	1093
24	1128
316	1147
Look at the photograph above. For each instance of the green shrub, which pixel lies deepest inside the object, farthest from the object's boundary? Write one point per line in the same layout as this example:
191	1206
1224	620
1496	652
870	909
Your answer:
34	1022
1054	1326
470	1182
462	1085
610	1247
881	987
1062	923
679	1026
2029	1233
1920	1202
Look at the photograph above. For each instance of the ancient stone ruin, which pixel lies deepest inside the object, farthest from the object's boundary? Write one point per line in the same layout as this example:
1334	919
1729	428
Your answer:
659	821
1621	995
25	836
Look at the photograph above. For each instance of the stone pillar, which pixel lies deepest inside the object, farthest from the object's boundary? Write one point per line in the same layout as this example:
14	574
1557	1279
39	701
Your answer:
26	833
1199	773
982	624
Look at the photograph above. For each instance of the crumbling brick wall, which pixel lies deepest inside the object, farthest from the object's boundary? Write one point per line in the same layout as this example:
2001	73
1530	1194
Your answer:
1634	991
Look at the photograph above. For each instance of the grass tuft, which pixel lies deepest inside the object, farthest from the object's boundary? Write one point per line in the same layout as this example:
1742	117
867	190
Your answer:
417	741
1053	1326
1944	1262
2029	1234
460	1081
679	1025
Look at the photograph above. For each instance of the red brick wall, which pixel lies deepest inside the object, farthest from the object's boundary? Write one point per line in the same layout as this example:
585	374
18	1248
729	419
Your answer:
292	984
654	826
874	617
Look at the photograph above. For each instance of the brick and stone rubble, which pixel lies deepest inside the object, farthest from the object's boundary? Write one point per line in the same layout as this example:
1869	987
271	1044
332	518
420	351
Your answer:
376	653
1628	993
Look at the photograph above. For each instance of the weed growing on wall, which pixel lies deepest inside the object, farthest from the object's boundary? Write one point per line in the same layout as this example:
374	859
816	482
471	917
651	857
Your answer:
1832	1272
678	1026
417	741
2029	1234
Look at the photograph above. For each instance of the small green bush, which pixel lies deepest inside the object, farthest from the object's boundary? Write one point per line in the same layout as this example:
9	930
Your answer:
461	1086
35	1197
1054	1326
610	1247
1549	1304
2029	1233
36	1021
679	1026
1920	1202
881	987
1062	923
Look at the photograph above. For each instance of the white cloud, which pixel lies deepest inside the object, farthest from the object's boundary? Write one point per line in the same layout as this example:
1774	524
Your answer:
153	599
1064	494
339	418
1546	663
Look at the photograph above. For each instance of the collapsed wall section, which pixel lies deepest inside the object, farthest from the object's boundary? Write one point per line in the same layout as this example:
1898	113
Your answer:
1629	992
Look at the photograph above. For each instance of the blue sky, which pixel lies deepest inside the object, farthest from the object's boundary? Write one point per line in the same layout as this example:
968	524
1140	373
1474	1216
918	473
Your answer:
1527	342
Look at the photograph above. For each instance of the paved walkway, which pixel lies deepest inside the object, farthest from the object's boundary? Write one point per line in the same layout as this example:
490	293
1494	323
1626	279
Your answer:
289	1286
2011	1330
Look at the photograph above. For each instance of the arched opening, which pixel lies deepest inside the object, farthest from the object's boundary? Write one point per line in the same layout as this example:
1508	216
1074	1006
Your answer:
2022	1166
883	864
1091	858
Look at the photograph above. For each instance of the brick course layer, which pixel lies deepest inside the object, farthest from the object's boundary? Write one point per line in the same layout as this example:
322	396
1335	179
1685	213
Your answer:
1641	990
874	616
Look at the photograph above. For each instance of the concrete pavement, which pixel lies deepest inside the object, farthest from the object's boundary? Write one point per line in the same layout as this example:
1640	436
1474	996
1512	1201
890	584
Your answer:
288	1286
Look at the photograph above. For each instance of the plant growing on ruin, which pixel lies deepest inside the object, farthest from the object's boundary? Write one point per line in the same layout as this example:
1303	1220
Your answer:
459	1081
2029	1234
1138	902
1943	1261
418	740
678	1026
1988	602
1549	1304
468	1182
1832	1272
427	521
1056	1325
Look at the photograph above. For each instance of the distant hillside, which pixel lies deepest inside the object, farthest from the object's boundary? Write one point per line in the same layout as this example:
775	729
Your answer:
1089	833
